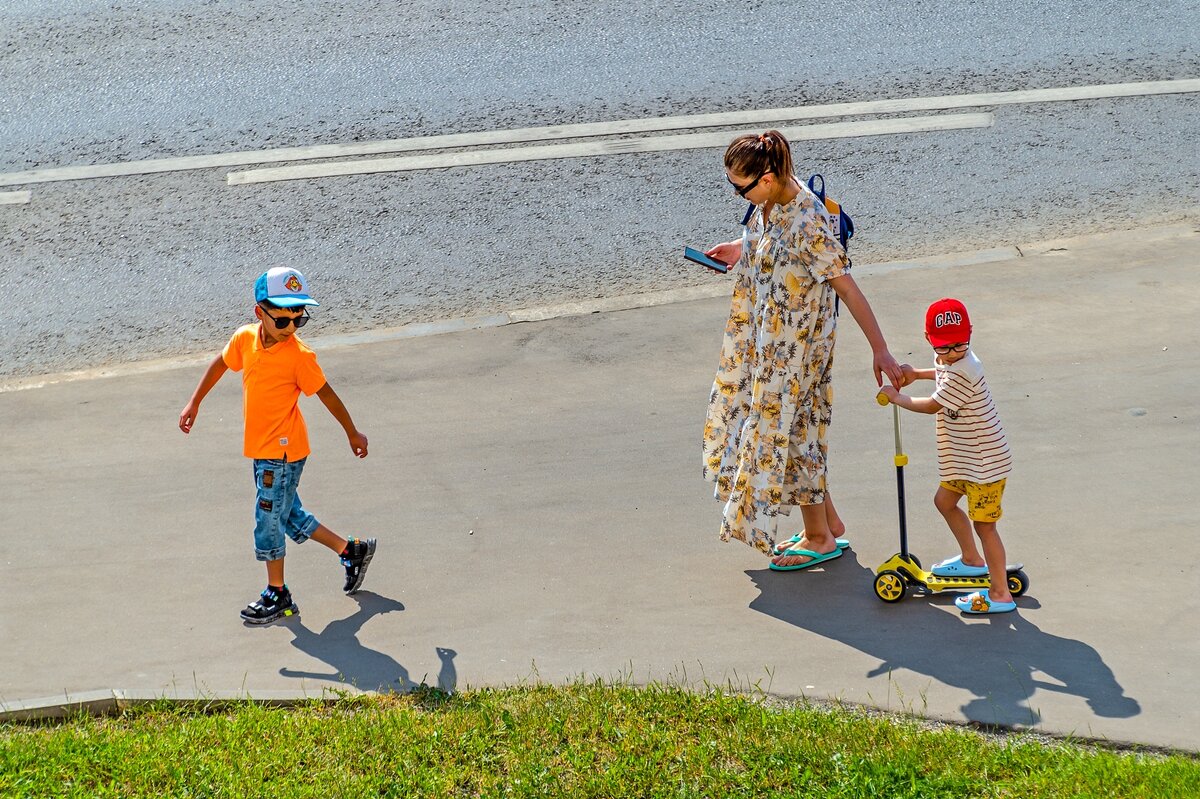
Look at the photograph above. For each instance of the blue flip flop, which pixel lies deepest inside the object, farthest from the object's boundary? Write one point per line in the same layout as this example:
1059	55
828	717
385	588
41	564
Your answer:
954	567
979	604
843	543
817	558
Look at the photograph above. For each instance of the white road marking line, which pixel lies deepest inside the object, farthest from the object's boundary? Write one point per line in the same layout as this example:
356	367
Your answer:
14	197
649	144
590	129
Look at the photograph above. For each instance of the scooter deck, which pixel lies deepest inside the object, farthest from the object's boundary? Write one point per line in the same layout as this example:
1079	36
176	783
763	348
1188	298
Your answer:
932	583
935	584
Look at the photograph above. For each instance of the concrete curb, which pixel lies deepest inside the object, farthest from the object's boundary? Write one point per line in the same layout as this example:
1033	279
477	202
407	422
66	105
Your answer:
972	258
114	701
720	288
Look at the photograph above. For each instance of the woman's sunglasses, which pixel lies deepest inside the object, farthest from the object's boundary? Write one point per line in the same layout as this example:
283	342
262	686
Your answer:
282	322
744	190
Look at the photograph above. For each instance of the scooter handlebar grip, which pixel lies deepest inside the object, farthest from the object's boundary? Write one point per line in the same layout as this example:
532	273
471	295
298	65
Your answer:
881	398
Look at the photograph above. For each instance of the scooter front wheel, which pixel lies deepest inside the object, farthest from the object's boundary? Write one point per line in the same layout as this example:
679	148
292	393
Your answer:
890	586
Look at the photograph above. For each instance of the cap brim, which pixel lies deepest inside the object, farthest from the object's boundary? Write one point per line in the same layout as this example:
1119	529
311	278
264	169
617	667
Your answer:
291	302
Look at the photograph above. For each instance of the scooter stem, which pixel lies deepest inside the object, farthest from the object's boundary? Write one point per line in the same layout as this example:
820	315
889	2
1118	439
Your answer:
900	460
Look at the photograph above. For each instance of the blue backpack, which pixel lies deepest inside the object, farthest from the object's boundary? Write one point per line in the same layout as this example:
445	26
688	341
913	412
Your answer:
842	223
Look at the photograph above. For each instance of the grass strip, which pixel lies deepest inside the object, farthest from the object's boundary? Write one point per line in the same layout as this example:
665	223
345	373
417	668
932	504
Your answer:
582	740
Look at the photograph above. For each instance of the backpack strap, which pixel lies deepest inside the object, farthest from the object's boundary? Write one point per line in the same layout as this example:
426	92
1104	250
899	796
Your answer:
812	185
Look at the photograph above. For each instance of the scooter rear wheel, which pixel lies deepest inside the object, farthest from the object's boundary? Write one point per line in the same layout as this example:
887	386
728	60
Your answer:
890	586
1018	582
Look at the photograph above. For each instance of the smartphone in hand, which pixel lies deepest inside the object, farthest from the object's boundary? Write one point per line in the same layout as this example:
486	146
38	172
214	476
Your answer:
692	254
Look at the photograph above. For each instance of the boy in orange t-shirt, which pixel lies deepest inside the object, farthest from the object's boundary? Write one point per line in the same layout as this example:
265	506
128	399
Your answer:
276	368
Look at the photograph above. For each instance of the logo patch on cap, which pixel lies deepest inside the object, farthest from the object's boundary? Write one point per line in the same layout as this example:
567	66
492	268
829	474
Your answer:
948	318
283	286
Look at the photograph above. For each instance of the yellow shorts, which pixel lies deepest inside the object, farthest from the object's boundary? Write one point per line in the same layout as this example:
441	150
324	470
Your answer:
983	499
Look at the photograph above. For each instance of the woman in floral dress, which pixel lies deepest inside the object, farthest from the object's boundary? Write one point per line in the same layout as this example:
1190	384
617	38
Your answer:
770	407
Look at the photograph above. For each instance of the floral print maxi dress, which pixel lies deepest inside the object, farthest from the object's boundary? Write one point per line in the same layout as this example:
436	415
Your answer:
770	406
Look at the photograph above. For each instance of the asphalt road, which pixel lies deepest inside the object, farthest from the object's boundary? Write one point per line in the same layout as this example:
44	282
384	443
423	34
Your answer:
131	268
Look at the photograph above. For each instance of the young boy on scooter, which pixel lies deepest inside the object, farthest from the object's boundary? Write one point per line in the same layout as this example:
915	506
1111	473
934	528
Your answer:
973	455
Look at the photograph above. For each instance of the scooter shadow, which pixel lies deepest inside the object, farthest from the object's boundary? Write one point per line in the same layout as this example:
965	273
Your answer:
996	658
357	665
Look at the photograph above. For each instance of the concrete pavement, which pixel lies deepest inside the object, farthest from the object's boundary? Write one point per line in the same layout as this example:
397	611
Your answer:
535	489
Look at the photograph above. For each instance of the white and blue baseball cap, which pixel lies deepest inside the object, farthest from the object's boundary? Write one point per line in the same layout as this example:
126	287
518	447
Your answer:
283	287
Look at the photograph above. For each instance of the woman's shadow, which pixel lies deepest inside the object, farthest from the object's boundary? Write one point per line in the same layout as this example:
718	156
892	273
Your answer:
997	659
364	668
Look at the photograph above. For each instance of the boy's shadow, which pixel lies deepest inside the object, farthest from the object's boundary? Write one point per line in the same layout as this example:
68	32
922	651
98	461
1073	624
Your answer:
996	659
364	668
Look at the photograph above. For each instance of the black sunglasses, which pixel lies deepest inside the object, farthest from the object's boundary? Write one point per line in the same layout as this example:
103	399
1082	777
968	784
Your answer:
962	347
743	191
282	322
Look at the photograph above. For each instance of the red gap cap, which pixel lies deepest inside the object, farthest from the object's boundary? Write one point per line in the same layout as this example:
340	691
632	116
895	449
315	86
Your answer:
946	322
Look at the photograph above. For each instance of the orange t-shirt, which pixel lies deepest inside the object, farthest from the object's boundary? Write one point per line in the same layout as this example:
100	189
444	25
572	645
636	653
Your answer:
272	380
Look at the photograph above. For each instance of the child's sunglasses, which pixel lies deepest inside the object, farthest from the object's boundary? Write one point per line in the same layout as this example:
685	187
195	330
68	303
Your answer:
281	322
962	347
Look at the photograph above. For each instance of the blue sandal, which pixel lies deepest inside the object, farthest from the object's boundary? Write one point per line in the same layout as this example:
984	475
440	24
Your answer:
817	558
979	604
843	543
954	567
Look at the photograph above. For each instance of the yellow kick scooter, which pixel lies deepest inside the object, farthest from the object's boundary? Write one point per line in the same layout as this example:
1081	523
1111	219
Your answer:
903	570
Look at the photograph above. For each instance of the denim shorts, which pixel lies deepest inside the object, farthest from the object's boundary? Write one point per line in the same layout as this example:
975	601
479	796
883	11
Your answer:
277	510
